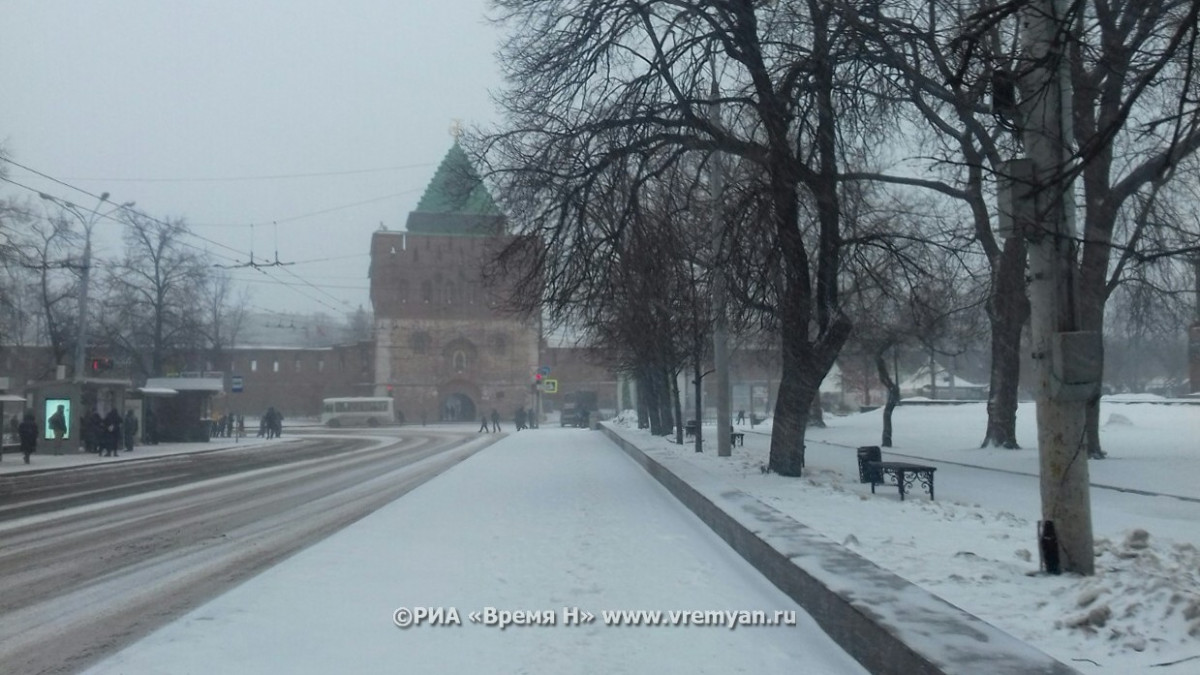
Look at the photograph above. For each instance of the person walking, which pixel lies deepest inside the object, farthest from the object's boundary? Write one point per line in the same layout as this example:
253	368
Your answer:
519	418
130	429
27	430
483	424
495	420
58	423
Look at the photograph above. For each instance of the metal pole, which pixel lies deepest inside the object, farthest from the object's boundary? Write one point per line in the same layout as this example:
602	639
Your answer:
81	344
720	299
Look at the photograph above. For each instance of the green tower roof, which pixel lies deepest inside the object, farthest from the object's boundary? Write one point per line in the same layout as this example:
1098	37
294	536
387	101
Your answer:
457	188
456	201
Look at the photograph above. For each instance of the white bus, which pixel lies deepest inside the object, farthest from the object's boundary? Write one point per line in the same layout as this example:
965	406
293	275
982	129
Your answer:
357	410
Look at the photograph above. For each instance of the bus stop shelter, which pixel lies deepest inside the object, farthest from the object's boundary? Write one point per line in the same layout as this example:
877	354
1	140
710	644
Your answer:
178	409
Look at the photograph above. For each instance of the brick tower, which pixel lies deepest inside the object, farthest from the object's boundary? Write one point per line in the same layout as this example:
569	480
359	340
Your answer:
445	349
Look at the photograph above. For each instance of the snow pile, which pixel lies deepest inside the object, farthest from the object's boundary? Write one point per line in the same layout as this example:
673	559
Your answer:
1145	596
626	418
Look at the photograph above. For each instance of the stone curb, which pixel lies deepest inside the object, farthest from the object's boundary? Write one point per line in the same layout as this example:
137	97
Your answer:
886	623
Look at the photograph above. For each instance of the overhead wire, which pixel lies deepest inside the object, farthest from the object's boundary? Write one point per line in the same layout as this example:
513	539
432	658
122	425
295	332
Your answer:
286	176
251	264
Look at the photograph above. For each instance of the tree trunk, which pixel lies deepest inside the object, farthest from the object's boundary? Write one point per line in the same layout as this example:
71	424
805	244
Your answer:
1008	309
677	406
643	413
668	401
650	387
698	383
893	395
1061	415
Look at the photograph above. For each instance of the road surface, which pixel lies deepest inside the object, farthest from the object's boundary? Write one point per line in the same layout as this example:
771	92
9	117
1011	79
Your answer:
94	558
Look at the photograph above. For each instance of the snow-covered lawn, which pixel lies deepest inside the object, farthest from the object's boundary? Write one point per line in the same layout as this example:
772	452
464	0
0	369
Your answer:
975	546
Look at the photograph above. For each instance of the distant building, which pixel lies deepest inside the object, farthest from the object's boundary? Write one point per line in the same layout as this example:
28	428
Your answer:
445	348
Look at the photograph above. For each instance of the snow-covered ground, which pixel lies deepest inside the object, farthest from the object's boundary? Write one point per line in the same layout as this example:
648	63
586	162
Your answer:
559	518
541	521
975	546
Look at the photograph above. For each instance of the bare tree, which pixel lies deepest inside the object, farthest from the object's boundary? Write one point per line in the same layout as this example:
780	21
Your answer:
46	277
1135	118
151	313
600	88
225	312
959	89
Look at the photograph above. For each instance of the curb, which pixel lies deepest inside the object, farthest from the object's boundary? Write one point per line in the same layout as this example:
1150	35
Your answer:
886	623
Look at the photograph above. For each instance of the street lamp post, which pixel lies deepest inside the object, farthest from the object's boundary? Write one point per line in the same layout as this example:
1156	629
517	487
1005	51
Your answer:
88	221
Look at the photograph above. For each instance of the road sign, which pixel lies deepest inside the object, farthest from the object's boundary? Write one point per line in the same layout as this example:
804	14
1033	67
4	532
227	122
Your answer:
548	386
235	384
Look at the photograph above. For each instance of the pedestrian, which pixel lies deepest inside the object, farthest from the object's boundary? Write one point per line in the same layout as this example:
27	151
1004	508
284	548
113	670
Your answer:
111	438
519	418
93	426
495	420
28	431
229	425
277	424
129	429
483	423
241	425
58	423
741	417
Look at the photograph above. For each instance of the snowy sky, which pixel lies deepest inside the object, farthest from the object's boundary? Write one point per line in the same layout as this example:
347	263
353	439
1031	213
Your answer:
560	517
312	120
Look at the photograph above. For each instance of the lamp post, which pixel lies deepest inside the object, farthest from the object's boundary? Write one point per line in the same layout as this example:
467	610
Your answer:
88	221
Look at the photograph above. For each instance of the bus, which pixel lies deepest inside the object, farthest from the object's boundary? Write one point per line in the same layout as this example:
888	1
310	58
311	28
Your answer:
357	410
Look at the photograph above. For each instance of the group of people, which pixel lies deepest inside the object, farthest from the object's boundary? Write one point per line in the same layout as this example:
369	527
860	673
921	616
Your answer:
270	424
106	435
225	425
523	419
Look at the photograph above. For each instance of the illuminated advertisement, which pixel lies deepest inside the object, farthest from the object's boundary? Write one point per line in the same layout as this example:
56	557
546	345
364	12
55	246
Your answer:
57	419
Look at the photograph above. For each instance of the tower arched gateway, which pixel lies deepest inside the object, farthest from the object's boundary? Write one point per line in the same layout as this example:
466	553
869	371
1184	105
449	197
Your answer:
443	344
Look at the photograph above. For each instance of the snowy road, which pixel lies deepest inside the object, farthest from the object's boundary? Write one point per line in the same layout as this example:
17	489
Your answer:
78	583
542	521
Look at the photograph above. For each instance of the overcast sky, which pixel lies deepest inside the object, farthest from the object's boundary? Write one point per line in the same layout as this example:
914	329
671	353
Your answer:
312	120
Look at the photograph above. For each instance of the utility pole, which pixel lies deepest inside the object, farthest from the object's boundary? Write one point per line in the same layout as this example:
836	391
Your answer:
1067	360
720	294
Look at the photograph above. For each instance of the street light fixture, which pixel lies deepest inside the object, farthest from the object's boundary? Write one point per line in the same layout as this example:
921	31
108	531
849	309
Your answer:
88	221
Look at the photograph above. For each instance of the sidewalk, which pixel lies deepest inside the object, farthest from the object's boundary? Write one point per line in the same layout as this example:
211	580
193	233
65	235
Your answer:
13	462
555	531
